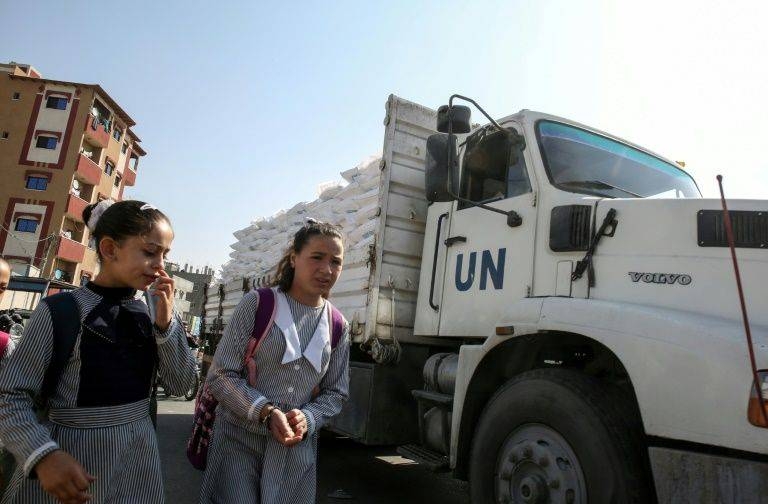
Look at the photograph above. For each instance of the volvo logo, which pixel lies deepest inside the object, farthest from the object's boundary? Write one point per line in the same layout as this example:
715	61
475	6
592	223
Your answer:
661	278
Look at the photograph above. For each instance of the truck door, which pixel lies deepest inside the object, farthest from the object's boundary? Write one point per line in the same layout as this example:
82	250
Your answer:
489	264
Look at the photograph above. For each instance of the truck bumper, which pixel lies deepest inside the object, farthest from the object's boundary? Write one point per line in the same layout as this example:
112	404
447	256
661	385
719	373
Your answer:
690	477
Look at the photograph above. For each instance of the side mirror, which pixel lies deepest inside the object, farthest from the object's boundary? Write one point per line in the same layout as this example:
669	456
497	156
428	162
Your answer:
457	116
440	149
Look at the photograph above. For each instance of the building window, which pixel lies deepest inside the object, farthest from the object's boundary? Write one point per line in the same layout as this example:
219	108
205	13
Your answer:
16	96
117	134
26	225
46	142
37	183
118	179
5	135
109	168
124	148
84	278
56	102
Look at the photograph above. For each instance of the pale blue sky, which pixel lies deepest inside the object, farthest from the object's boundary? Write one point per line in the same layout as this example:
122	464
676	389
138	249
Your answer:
245	107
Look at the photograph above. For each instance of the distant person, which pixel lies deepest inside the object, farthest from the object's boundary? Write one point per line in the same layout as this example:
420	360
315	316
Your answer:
97	444
264	447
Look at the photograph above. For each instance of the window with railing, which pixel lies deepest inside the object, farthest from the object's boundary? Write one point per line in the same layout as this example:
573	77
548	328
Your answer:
73	230
101	115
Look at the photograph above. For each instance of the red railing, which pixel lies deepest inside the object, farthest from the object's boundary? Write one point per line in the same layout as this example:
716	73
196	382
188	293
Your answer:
96	132
89	171
75	207
129	177
70	250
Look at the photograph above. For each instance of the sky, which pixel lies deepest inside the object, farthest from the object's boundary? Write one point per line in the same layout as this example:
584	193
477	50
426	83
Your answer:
244	108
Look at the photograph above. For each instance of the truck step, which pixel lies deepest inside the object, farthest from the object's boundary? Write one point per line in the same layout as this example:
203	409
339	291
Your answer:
435	461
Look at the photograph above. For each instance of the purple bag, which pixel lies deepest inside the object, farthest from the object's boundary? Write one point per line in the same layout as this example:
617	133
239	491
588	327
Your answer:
205	404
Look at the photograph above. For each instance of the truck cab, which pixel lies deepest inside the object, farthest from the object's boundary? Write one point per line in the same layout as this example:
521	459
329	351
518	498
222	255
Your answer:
592	291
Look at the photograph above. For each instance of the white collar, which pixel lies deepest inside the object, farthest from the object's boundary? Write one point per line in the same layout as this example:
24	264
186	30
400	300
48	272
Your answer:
322	337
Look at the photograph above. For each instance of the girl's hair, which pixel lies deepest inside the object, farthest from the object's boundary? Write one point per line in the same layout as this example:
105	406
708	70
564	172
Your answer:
122	220
285	272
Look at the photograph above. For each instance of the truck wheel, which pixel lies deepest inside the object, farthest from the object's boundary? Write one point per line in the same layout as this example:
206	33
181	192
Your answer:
555	435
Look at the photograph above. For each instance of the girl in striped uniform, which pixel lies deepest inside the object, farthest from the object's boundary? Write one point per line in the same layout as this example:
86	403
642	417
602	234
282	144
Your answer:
264	447
98	444
6	348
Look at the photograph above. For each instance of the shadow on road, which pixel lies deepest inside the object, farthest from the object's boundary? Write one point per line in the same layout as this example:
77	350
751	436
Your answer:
349	471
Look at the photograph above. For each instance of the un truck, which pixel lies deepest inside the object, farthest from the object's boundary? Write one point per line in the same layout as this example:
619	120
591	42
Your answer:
550	312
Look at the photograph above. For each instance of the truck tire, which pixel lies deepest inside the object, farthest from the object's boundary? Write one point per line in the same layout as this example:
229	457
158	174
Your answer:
556	435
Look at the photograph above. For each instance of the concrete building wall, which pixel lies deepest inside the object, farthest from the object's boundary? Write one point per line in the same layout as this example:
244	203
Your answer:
182	292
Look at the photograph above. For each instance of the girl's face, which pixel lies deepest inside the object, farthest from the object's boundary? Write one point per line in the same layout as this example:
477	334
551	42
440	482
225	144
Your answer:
317	267
136	261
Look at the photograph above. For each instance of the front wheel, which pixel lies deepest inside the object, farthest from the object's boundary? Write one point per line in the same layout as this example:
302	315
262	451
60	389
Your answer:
556	435
192	392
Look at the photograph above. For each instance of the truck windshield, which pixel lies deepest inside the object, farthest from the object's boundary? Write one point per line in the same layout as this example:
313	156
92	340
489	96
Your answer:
583	162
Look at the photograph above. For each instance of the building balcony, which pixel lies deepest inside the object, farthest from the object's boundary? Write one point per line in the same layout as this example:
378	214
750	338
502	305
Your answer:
75	207
87	171
96	132
129	177
70	250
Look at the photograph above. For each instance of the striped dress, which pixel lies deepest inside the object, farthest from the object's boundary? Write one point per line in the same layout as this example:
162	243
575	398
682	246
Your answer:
99	412
6	460
245	464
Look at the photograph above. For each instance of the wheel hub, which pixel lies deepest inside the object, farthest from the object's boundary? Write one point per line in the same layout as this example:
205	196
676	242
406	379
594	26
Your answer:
533	489
536	465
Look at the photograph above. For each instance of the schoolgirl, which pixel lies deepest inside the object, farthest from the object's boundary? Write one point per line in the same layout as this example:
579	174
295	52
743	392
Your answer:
97	443
264	447
6	348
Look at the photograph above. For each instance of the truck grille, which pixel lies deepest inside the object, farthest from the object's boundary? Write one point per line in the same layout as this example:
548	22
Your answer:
569	228
750	228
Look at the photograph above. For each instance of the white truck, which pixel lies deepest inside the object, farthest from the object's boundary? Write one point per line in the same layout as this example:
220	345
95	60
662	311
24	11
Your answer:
550	312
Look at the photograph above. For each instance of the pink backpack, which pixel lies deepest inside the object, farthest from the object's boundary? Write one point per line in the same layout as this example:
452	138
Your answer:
205	403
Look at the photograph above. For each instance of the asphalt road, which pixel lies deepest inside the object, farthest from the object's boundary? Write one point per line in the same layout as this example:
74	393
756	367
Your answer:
348	472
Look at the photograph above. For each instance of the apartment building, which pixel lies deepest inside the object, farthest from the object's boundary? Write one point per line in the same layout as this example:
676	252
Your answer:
62	145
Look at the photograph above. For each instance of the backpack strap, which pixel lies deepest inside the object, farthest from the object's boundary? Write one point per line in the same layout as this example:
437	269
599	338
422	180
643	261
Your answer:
65	318
265	317
337	326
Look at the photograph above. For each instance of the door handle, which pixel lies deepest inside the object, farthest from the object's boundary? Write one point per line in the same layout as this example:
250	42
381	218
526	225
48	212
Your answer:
434	263
455	239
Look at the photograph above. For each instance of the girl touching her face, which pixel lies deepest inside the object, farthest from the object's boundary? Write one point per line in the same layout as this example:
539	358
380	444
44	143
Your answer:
98	443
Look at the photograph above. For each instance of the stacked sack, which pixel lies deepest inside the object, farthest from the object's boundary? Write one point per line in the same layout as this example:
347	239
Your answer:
352	204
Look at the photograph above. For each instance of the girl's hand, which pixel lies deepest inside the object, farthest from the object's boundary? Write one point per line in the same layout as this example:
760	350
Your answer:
281	429
163	289
64	478
298	422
